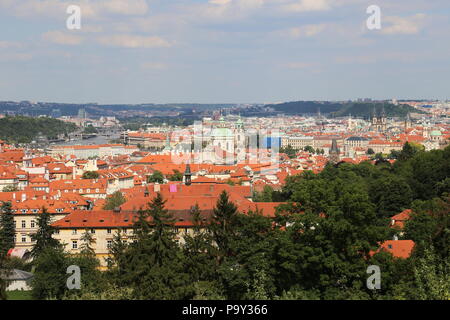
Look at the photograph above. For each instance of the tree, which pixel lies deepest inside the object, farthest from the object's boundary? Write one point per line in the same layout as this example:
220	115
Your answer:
115	200
408	151
431	276
156	177
265	196
43	237
176	176
289	151
370	151
309	149
391	195
90	175
86	245
7	228
153	265
197	248
90	129
10	189
49	281
221	226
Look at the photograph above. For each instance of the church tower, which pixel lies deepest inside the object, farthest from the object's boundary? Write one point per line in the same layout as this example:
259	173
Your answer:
187	175
334	152
408	122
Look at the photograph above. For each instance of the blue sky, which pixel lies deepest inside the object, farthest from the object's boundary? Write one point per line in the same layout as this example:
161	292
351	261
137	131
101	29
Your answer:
223	51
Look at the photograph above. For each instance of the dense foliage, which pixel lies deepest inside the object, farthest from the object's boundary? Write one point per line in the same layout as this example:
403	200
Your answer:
24	129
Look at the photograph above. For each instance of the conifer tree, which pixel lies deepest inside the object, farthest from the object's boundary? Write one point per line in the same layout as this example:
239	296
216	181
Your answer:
7	228
222	222
153	266
43	236
197	249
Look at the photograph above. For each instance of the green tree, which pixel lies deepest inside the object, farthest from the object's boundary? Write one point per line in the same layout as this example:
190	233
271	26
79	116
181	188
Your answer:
221	226
391	195
90	175
10	189
176	176
49	281
115	200
43	237
7	228
199	261
309	149
153	265
289	151
156	177
432	276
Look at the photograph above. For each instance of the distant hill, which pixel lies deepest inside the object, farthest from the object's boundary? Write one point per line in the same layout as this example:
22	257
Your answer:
335	109
365	110
305	107
25	129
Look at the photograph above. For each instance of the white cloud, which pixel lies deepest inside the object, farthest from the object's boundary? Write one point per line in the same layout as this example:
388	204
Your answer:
302	31
404	25
308	5
133	41
63	38
89	8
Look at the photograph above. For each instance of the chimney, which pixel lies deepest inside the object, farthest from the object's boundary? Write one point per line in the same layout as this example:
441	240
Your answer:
116	210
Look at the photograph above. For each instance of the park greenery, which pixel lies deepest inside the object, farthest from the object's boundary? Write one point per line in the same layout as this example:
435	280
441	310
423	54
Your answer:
318	245
20	129
90	175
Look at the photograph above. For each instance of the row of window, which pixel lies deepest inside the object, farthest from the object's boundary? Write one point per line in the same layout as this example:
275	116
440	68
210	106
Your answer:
24	224
37	210
108	244
81	190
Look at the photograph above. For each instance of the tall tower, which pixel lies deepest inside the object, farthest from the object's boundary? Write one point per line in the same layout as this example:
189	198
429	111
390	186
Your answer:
334	152
407	122
187	175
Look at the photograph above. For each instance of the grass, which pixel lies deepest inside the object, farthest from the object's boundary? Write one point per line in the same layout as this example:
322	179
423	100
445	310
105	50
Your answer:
19	295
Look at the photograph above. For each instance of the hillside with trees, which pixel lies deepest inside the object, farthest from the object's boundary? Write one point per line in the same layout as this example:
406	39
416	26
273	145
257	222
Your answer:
336	109
21	129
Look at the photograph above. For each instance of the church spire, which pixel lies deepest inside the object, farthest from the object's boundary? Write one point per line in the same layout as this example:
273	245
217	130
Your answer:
187	175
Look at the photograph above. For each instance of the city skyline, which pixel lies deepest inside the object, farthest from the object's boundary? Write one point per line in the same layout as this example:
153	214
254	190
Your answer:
222	51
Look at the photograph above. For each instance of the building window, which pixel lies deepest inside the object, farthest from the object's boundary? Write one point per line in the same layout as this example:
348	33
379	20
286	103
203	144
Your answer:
92	230
108	231
109	244
32	224
74	231
24	224
74	244
24	239
57	231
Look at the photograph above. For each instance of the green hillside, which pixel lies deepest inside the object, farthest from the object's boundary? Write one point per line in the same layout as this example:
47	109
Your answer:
336	109
365	110
25	129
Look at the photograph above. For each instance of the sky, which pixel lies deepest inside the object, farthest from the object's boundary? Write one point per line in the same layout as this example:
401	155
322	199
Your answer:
223	51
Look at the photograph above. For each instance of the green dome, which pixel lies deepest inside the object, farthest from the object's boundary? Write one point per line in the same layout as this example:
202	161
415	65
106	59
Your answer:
221	132
436	133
